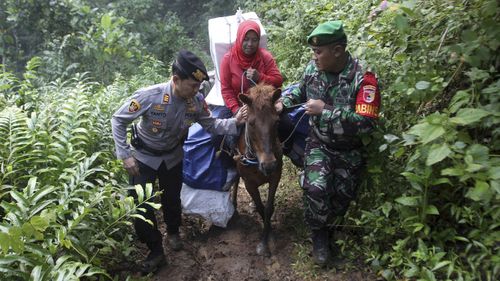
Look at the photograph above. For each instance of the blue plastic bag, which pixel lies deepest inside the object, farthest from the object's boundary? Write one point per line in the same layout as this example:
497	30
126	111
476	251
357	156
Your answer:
300	122
201	168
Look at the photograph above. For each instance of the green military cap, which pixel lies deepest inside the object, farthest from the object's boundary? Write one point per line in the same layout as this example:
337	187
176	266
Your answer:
327	33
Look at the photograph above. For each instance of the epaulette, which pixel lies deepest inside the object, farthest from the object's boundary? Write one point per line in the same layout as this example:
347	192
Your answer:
151	90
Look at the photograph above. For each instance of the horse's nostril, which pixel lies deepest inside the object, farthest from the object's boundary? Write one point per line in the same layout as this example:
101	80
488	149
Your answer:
268	167
272	166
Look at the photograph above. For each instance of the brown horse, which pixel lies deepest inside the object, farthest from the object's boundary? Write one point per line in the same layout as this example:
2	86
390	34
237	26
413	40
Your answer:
260	160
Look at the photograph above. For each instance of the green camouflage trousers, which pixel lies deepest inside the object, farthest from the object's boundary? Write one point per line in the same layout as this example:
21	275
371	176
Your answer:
331	180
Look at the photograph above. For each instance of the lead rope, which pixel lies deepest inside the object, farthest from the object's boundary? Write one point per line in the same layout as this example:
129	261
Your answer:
249	157
294	128
250	154
242	74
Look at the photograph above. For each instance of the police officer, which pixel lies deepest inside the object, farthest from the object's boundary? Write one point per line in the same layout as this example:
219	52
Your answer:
342	102
166	112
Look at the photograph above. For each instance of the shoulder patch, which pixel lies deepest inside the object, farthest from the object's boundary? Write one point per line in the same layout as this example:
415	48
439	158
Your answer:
166	98
369	92
134	106
368	97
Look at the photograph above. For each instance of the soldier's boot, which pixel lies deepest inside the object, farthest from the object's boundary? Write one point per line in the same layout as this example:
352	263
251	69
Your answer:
321	249
154	260
175	242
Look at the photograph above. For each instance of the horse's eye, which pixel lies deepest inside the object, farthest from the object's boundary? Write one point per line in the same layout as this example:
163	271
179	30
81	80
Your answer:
251	123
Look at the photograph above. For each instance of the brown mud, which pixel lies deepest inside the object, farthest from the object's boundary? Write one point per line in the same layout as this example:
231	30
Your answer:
212	253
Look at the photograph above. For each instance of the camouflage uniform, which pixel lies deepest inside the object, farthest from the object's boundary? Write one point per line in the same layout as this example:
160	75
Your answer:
333	157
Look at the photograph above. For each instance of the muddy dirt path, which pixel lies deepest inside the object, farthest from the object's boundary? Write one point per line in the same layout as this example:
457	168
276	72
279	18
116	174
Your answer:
229	253
212	253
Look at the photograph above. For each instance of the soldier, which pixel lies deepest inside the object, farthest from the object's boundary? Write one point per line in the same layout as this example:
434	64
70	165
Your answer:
166	110
343	103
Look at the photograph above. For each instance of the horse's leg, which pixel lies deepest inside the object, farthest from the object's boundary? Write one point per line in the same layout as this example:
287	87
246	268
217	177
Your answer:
234	193
263	247
269	209
253	190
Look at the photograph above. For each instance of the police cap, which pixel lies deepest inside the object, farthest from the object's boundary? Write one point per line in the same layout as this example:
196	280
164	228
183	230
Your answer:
191	65
327	33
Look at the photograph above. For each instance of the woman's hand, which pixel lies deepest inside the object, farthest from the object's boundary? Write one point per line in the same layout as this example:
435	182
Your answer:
253	74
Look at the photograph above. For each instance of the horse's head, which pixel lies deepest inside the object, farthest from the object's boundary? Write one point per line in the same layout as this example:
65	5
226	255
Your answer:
262	126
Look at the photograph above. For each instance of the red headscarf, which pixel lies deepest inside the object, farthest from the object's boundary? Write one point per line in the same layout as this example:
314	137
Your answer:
244	60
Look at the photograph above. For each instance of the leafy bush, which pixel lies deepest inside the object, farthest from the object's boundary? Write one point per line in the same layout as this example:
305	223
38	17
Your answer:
431	198
103	38
429	208
64	205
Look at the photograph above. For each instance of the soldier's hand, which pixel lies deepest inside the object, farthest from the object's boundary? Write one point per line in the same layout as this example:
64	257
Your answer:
131	165
278	105
314	107
241	115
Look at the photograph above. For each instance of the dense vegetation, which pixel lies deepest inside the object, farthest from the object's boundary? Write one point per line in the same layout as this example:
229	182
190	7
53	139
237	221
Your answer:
430	205
429	208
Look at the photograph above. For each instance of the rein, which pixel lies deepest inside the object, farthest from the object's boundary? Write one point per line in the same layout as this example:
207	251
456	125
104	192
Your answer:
250	154
247	141
249	158
294	127
242	74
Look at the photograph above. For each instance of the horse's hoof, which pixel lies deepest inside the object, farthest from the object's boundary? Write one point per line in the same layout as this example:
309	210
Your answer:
236	214
263	250
234	218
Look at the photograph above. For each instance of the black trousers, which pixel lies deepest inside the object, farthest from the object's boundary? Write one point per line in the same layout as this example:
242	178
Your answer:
170	182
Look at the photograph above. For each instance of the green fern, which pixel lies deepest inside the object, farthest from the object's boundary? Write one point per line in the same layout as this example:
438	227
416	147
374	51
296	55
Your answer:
15	143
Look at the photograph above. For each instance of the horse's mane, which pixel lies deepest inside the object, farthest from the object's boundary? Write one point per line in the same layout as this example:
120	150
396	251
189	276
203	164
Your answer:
261	95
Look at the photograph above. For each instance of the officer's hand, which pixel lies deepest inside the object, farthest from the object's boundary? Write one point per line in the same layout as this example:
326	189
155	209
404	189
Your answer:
278	105
253	74
131	165
314	107
241	115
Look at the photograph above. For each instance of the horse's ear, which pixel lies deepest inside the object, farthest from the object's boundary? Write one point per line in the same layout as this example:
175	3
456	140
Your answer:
245	99
276	95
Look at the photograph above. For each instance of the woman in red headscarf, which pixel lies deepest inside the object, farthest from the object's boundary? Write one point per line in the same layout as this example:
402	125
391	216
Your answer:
246	64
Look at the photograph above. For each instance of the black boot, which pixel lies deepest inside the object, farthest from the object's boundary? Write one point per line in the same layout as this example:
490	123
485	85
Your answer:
175	242
321	249
154	260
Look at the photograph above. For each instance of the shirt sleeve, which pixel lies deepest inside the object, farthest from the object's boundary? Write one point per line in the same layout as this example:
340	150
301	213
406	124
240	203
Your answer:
132	109
214	125
358	120
229	95
271	73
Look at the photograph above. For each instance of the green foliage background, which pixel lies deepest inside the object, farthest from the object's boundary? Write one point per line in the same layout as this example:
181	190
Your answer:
430	204
429	207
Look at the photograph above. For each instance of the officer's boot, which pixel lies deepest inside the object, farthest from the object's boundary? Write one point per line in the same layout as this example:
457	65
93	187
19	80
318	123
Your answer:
175	242
154	260
321	249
